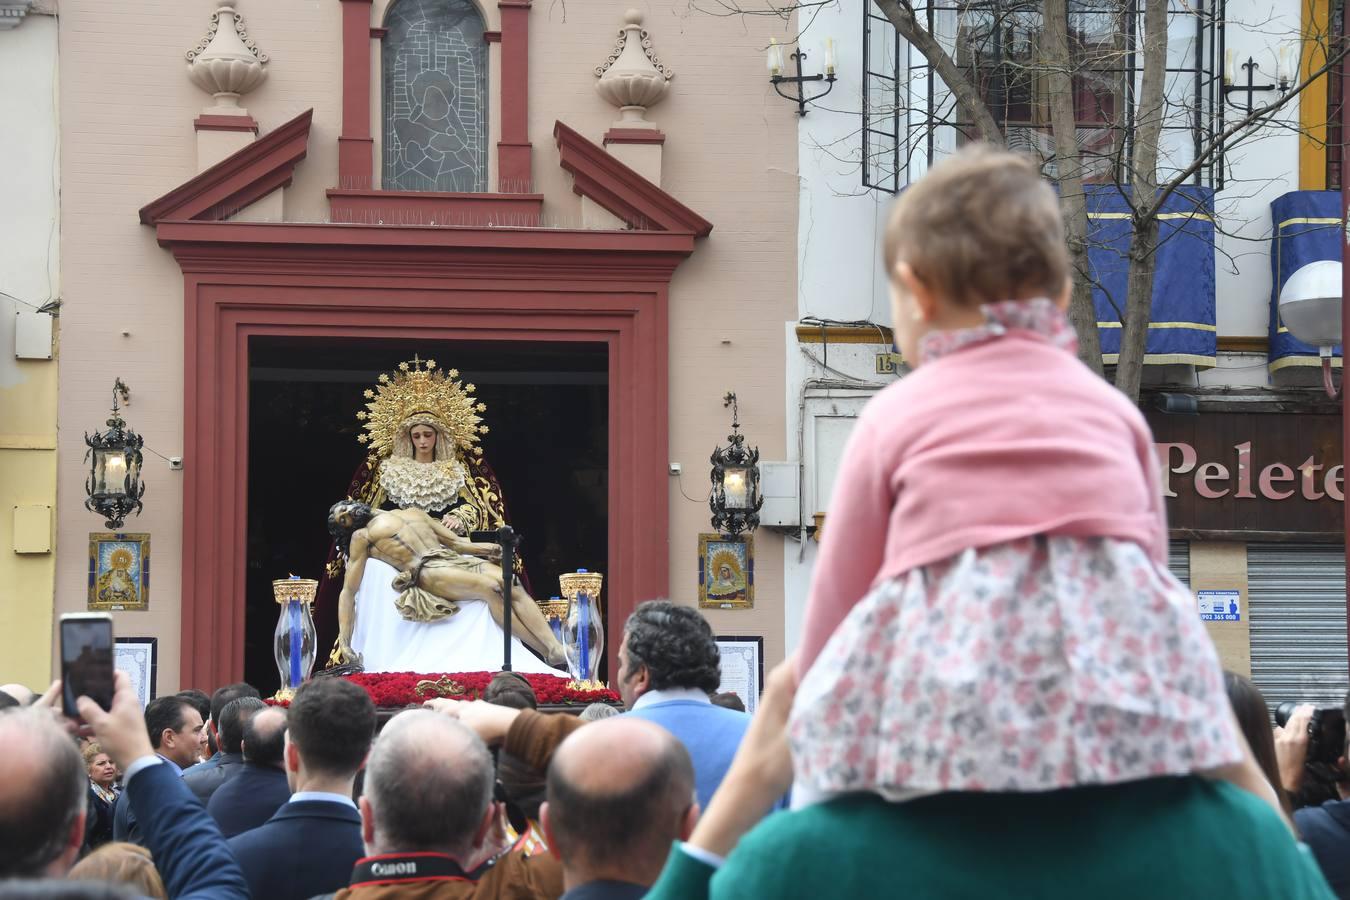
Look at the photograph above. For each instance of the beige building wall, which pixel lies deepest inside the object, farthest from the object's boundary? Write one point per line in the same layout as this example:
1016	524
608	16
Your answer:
29	268
127	126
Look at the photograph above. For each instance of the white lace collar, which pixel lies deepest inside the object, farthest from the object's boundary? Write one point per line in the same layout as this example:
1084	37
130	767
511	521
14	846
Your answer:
434	485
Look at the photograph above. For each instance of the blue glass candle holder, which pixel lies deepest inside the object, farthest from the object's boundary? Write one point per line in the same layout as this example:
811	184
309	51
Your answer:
583	628
295	642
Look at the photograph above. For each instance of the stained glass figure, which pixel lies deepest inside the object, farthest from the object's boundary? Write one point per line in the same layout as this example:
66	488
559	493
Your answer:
435	97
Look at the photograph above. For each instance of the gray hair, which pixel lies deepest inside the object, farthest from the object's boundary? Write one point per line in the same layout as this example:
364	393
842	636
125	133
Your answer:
429	780
597	711
38	812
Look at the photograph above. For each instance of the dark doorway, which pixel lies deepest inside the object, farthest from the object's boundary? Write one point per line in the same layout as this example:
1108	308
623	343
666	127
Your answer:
547	411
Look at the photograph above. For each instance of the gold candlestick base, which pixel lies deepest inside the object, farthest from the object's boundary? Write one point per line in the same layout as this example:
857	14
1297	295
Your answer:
587	686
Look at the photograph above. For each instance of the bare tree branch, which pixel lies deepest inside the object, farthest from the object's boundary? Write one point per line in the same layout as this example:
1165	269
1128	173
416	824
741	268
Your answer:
1226	138
901	15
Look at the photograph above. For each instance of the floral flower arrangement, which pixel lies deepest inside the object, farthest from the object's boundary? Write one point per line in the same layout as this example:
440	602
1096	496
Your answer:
398	689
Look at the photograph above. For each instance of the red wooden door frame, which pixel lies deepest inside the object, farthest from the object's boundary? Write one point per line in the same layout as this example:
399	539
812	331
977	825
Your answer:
244	279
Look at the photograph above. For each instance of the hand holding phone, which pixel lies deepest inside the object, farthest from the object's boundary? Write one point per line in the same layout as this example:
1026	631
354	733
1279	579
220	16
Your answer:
86	660
120	731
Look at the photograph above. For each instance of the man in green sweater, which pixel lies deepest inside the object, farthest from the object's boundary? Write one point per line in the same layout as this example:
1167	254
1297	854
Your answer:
1166	837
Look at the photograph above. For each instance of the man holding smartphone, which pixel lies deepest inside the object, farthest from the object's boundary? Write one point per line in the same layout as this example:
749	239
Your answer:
42	785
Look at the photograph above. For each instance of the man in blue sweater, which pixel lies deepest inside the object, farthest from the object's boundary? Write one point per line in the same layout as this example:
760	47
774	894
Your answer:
668	665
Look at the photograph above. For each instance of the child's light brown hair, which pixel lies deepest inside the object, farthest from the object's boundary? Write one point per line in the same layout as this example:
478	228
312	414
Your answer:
980	227
122	863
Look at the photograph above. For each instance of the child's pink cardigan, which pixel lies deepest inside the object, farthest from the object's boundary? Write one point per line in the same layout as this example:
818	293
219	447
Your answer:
1002	440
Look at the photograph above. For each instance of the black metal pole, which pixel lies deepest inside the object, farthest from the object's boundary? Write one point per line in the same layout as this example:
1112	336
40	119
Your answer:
506	536
1342	72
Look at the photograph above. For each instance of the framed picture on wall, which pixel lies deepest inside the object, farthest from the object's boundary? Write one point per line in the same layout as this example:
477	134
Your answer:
742	668
119	571
138	657
726	571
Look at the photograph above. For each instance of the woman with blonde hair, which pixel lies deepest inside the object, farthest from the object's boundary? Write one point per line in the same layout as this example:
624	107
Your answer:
98	823
122	863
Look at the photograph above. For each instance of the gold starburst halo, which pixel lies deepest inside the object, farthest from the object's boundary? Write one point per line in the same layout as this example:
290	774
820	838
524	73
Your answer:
418	387
726	558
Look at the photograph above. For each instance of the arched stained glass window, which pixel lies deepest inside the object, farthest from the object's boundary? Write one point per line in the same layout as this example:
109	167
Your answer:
435	97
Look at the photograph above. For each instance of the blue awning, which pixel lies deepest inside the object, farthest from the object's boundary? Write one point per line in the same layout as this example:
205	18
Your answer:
1307	229
1182	327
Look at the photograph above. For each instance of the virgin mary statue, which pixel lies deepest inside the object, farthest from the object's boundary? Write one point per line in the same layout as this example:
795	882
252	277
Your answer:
422	428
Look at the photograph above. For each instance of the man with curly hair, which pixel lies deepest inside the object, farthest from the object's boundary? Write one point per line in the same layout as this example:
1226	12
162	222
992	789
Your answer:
668	665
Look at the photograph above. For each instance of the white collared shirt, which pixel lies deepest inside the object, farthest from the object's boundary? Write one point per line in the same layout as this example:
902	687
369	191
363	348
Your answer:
145	762
325	796
650	698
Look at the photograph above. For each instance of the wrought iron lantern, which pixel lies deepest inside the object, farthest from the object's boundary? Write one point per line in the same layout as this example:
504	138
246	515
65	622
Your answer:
114	483
735	500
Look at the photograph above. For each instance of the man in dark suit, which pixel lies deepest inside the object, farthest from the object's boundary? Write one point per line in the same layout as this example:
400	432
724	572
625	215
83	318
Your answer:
620	794
204	779
329	729
175	730
227	753
260	788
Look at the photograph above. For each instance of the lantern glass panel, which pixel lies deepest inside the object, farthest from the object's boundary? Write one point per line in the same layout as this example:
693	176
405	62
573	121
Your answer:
736	487
110	472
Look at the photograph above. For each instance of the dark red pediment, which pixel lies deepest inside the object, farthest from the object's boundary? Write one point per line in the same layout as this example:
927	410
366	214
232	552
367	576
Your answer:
239	179
638	202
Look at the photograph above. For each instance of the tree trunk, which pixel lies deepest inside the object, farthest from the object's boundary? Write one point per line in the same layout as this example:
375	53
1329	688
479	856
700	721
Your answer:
968	99
1138	303
1149	115
1069	167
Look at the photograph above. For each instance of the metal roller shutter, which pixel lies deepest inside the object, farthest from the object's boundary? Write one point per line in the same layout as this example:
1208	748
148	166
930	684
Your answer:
1296	605
1179	561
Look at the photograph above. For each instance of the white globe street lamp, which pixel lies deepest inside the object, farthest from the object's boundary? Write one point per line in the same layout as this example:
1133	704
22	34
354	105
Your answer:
1310	307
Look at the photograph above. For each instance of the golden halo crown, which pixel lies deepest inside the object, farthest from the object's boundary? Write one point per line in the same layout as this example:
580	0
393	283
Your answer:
120	558
418	387
726	558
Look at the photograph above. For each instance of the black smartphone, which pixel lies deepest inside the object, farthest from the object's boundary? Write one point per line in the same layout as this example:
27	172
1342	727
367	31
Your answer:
86	660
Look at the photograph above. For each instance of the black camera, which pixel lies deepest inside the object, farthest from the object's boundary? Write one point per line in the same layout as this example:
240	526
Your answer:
1326	731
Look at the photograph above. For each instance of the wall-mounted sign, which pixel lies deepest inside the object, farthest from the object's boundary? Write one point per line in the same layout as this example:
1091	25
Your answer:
1275	473
1219	606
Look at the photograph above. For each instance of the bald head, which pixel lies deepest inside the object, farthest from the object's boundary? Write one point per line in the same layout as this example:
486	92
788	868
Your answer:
265	737
620	792
42	795
22	695
428	786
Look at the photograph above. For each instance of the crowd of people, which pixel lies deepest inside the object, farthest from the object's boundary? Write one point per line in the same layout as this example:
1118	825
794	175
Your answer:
965	717
487	798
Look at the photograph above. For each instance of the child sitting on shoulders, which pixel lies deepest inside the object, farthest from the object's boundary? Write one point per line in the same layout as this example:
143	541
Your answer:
991	609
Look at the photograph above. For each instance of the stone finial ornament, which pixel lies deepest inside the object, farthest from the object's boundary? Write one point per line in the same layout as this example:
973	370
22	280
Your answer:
633	78
226	63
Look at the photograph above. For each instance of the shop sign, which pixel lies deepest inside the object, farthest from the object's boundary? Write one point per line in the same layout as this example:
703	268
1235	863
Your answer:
1245	472
1277	481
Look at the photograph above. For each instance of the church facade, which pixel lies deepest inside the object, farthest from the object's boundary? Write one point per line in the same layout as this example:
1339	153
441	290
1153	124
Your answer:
408	172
